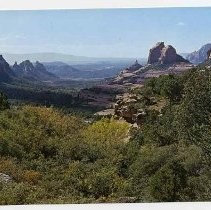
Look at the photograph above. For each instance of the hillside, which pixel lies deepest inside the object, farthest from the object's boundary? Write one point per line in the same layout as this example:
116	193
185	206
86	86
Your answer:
51	156
151	145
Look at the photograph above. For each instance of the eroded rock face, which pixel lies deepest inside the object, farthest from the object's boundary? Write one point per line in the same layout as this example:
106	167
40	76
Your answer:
209	54
200	55
168	55
155	53
164	55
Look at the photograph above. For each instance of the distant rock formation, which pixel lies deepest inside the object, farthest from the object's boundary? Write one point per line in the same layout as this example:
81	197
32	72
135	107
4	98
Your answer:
134	67
209	54
200	55
6	72
207	62
155	53
31	71
164	55
162	60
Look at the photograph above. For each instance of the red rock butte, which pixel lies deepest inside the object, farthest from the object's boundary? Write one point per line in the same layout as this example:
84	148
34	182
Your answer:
164	55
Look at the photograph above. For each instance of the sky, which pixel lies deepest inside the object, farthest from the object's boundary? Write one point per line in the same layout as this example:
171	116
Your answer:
104	32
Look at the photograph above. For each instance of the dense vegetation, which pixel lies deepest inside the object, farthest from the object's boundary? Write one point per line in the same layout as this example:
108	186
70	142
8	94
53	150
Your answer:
59	94
54	157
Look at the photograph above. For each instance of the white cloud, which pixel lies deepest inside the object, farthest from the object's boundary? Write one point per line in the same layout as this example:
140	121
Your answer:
20	36
180	24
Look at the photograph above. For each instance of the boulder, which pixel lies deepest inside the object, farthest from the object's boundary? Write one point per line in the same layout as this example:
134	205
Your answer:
5	178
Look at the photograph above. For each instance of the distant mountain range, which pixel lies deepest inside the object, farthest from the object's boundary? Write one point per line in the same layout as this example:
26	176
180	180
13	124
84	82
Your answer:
52	71
24	70
74	67
99	70
69	59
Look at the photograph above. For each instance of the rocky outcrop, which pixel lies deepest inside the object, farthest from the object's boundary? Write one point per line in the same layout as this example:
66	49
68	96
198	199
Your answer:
164	55
37	71
126	75
170	56
200	55
4	178
134	67
138	77
6	72
125	108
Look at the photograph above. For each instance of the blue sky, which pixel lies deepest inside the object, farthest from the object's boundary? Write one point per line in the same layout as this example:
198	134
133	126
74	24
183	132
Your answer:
104	33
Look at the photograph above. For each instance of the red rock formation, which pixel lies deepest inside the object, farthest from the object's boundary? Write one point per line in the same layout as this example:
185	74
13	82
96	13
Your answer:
164	55
155	53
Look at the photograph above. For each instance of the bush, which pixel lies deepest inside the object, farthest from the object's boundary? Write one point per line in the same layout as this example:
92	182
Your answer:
169	182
